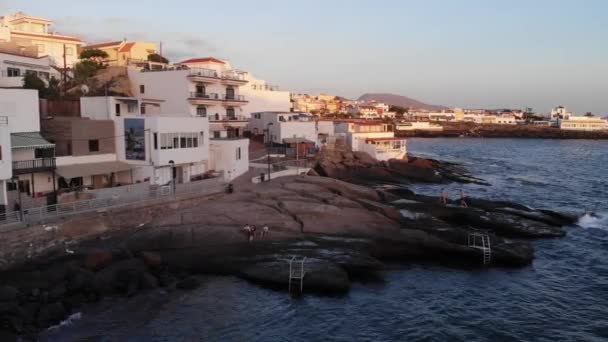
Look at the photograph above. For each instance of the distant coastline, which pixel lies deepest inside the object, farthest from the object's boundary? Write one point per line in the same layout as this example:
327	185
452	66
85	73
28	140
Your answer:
455	130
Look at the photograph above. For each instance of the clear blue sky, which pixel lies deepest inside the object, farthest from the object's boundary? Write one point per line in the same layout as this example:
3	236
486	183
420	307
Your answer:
468	53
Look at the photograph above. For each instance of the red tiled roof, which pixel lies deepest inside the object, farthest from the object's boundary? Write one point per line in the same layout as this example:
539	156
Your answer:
102	45
49	36
203	60
126	48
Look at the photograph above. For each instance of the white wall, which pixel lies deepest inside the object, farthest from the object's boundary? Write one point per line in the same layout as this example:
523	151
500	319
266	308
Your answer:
295	129
262	100
171	86
22	109
224	157
325	127
6	160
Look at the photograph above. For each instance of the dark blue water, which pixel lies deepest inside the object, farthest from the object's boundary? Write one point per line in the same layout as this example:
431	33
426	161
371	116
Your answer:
563	296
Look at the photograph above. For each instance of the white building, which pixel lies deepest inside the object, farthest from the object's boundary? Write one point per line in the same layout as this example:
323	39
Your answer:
375	138
263	97
153	144
371	111
14	67
560	113
583	123
204	87
27	163
506	119
419	126
27	30
284	125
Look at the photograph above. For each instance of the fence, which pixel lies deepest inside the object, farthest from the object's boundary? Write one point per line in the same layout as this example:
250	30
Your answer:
52	212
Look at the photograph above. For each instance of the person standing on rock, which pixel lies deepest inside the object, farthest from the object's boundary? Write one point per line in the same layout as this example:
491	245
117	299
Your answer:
443	197
247	229
265	231
253	229
463	199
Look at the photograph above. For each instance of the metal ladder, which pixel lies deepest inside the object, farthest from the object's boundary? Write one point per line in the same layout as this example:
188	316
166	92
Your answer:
296	273
481	241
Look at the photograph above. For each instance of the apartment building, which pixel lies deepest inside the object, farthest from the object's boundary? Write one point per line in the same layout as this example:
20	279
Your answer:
583	123
262	96
30	31
123	52
373	137
371	111
153	145
27	165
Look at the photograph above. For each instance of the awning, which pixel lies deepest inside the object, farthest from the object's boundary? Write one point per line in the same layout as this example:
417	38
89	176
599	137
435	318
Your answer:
29	140
91	169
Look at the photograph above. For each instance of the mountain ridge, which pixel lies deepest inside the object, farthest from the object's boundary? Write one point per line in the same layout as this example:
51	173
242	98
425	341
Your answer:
399	100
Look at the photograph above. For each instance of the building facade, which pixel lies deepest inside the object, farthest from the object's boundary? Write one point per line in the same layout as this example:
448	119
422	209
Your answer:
373	137
13	69
123	53
28	31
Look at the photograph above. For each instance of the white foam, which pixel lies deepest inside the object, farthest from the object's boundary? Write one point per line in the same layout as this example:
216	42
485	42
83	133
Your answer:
594	220
67	322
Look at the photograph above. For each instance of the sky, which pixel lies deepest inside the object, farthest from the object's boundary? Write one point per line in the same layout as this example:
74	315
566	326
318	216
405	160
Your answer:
459	53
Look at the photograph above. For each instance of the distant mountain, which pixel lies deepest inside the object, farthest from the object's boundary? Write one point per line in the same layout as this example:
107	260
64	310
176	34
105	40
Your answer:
398	100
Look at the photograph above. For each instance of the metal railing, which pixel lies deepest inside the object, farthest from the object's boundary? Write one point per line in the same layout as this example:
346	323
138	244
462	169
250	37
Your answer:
232	97
233	76
208	96
35	164
3	120
203	72
55	211
228	118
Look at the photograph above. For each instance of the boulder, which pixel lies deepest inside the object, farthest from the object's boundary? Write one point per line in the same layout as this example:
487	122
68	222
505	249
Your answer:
50	314
97	259
189	283
8	293
151	259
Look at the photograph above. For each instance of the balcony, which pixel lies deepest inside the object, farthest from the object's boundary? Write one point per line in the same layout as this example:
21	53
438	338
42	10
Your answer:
233	78
213	118
205	98
203	75
35	165
233	100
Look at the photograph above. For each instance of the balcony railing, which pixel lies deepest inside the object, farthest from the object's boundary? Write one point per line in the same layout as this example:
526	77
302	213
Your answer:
3	120
207	96
228	118
233	76
35	165
229	97
219	97
203	72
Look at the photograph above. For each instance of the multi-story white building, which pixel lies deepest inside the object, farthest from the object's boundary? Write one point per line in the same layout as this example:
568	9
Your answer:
374	137
14	67
583	123
371	111
27	165
153	144
27	30
560	113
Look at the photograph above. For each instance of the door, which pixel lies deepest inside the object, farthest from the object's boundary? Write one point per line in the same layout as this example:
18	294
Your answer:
230	93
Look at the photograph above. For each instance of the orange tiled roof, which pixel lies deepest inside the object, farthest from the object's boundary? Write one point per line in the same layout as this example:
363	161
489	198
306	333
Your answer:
126	48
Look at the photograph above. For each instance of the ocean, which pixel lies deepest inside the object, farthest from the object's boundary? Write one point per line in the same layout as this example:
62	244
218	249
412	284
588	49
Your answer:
562	296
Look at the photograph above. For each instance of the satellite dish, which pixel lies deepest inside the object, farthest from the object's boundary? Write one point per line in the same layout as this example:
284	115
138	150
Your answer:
84	89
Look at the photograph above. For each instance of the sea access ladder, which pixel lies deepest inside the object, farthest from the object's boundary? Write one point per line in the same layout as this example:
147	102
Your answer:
296	272
481	241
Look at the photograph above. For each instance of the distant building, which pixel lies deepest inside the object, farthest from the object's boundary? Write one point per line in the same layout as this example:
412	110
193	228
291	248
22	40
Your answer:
373	137
583	123
29	31
14	67
286	128
122	53
371	111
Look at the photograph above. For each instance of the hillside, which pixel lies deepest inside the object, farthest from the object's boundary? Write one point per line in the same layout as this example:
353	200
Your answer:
398	100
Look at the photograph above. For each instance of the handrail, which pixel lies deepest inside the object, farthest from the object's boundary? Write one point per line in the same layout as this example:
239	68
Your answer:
209	96
42	163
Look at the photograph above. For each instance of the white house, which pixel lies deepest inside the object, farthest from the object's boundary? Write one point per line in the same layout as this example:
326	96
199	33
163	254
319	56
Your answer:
371	111
506	119
29	31
418	125
374	137
153	144
583	123
279	126
14	67
32	158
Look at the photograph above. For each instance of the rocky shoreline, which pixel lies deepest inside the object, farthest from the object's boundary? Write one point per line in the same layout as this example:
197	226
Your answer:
347	232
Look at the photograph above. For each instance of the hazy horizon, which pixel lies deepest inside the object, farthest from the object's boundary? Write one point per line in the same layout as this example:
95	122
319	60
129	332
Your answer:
469	53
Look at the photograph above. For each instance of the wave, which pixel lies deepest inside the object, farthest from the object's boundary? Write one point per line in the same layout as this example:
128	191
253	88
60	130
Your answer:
67	322
594	220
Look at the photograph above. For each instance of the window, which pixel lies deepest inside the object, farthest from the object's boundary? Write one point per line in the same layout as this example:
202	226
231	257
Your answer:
238	153
94	145
131	107
142	109
118	109
69	51
156	141
183	141
142	88
13	72
44	153
44	75
230	113
11	186
31	72
216	134
201	111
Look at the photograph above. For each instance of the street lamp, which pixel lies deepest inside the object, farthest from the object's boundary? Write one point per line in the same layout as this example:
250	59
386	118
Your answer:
15	180
268	149
174	174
